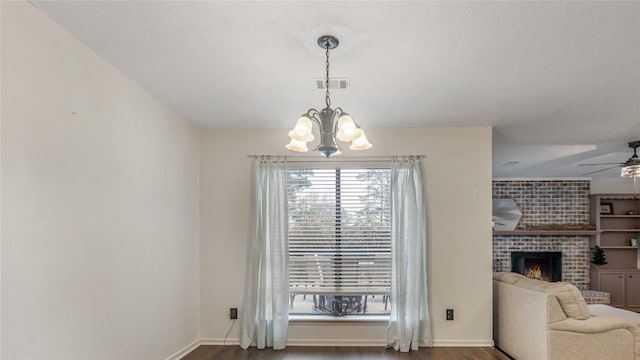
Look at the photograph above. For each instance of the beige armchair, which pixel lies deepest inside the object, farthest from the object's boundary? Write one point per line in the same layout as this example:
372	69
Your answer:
536	320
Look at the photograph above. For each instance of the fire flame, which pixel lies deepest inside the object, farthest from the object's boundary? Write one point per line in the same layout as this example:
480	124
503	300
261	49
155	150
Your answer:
535	272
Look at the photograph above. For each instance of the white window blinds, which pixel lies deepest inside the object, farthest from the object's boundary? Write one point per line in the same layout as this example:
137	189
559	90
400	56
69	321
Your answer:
339	231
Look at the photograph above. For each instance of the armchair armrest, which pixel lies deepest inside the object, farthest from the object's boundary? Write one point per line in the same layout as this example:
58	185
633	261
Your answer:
597	324
601	325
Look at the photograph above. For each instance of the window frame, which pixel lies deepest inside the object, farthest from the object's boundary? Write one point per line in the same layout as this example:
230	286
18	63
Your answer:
357	317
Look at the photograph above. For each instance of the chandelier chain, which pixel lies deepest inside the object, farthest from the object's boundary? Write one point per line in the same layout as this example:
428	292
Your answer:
327	98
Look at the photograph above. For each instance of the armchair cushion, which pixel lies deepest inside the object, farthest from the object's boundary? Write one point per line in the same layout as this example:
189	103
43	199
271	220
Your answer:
570	300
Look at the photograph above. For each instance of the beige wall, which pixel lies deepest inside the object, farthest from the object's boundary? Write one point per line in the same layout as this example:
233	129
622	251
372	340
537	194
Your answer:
618	185
458	187
99	205
103	202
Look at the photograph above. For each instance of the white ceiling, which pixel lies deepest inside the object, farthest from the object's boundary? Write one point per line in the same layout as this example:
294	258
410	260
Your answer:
558	81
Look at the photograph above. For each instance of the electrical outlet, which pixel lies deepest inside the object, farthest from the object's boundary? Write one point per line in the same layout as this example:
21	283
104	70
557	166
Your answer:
233	313
449	314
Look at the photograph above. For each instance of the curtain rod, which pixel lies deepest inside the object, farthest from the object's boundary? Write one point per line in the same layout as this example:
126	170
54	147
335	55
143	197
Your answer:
338	159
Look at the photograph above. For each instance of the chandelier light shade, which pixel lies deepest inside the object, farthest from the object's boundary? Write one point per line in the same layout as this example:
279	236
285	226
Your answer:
333	124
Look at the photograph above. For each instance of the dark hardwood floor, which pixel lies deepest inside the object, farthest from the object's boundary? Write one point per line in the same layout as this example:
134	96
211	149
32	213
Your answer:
210	352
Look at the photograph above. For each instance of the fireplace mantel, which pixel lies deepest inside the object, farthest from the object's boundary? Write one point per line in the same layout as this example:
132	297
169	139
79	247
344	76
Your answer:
548	232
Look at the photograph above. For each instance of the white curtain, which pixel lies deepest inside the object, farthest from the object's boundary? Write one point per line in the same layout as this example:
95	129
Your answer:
410	324
266	300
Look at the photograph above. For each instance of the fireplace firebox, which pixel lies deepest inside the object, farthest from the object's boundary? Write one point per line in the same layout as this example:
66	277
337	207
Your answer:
544	265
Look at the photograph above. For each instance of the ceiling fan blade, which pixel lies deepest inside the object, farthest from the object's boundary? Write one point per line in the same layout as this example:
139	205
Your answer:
601	170
600	164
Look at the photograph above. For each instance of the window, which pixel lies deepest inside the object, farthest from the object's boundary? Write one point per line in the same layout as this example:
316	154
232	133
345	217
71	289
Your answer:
339	240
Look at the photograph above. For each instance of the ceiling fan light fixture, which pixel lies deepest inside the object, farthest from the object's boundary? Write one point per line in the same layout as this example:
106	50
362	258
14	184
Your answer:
333	124
631	168
630	171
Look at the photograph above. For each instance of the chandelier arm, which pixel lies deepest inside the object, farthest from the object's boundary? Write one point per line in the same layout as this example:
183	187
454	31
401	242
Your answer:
313	115
337	113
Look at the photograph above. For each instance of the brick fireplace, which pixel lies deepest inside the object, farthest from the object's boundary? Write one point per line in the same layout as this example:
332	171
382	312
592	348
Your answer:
547	202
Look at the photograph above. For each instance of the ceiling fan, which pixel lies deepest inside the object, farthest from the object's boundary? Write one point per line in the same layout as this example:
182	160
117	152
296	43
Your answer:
634	160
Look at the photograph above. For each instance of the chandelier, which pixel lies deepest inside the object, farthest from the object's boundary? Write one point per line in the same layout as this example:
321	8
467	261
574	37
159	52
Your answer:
333	124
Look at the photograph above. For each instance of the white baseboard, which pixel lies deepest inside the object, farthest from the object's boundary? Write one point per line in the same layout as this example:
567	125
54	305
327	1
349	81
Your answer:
304	342
463	343
354	342
328	342
219	341
184	351
336	342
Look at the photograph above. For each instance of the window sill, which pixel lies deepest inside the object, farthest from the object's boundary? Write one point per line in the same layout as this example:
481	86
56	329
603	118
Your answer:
374	320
